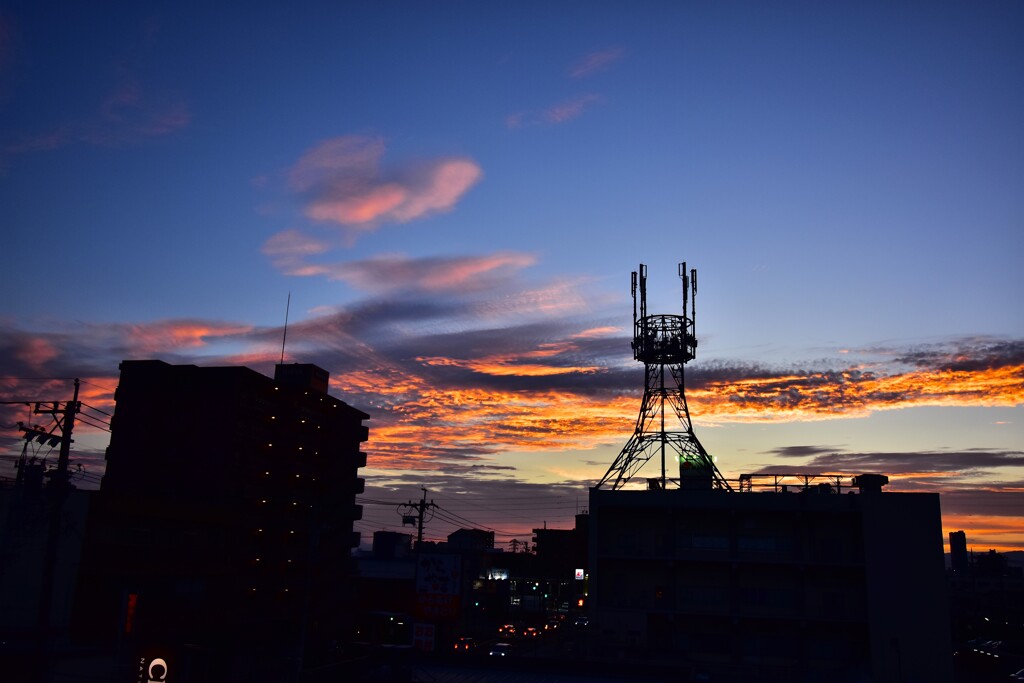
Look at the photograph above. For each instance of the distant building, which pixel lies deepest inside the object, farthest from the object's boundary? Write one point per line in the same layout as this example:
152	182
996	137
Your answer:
223	528
471	539
808	584
987	605
958	558
561	563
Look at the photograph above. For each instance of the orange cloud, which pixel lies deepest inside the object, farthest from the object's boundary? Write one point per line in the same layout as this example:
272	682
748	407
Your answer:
986	532
436	425
595	332
852	393
173	335
509	367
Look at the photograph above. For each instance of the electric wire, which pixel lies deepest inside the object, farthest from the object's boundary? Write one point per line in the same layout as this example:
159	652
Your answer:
85	381
88	421
98	410
447	517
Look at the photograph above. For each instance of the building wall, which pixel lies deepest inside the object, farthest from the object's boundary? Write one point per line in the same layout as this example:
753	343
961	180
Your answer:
227	504
787	586
25	517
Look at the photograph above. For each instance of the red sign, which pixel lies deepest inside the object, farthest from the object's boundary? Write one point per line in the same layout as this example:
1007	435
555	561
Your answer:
423	637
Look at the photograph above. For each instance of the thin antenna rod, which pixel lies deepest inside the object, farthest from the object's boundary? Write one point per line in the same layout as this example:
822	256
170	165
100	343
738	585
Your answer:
284	336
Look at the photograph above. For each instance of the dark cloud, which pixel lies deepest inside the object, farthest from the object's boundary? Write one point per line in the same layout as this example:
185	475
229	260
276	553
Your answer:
917	470
801	451
966	355
952	463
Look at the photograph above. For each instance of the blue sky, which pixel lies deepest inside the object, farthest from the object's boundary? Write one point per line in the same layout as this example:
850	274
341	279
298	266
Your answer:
454	195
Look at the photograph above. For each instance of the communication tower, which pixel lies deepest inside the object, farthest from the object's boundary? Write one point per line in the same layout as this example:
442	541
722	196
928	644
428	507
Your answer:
665	344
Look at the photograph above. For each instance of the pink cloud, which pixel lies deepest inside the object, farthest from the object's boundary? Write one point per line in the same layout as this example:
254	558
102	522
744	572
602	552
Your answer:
363	207
349	156
562	112
167	335
41	142
597	332
290	250
36	352
126	116
345	184
570	109
595	61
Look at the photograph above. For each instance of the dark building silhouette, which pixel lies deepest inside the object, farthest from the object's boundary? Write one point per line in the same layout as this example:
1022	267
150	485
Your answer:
222	532
958	559
791	584
471	539
562	565
987	605
26	588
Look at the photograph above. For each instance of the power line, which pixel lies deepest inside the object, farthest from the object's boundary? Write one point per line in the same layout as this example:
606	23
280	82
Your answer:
94	422
85	381
98	410
458	519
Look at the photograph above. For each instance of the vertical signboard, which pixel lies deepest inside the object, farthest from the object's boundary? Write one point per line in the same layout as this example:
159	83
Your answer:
153	668
438	587
423	637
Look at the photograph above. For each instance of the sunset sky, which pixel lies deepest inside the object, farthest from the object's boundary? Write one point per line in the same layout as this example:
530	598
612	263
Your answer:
454	194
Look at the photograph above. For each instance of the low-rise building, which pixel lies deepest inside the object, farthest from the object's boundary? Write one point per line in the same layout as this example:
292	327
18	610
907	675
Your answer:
806	583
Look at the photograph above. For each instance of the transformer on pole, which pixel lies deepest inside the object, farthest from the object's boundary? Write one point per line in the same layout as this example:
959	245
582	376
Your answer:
664	344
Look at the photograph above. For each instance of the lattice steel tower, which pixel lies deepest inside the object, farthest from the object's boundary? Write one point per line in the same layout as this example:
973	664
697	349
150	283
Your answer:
664	344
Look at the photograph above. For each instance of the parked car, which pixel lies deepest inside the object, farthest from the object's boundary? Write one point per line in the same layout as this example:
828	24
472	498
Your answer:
465	645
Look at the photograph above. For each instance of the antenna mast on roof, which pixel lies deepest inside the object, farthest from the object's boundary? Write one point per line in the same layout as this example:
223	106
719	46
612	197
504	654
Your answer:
284	336
664	344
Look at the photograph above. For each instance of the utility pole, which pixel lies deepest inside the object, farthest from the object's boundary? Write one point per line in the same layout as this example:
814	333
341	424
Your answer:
417	519
58	491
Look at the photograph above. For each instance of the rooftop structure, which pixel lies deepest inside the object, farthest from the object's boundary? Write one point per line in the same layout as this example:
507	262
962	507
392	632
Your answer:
664	344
